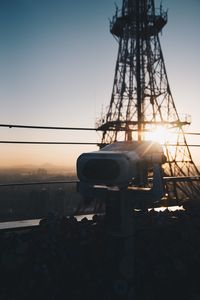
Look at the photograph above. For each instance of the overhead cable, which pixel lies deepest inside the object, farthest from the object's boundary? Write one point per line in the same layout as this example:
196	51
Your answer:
81	143
73	128
47	127
47	143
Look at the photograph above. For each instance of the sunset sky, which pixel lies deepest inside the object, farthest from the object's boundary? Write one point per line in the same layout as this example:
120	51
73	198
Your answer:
57	61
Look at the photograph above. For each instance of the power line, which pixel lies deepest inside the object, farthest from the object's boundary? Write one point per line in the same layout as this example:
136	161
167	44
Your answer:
80	143
47	127
47	143
192	133
179	145
71	128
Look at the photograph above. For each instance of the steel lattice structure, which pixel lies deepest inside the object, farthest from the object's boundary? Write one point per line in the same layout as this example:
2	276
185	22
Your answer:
141	97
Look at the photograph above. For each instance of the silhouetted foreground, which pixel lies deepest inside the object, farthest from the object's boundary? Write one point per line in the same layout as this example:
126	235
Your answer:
66	259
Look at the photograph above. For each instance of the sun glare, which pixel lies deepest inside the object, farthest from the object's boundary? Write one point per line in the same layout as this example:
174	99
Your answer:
160	135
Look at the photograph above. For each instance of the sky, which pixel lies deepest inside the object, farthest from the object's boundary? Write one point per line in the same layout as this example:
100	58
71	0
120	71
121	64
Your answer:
57	61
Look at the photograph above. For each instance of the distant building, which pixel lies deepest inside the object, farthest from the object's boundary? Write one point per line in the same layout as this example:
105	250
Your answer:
41	172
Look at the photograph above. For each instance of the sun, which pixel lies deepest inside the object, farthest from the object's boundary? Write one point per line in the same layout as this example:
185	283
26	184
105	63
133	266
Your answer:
160	135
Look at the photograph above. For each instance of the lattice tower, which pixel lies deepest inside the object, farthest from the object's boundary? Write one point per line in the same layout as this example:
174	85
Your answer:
141	98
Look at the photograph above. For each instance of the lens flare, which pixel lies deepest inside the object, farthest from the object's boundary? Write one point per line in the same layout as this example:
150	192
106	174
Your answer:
160	135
